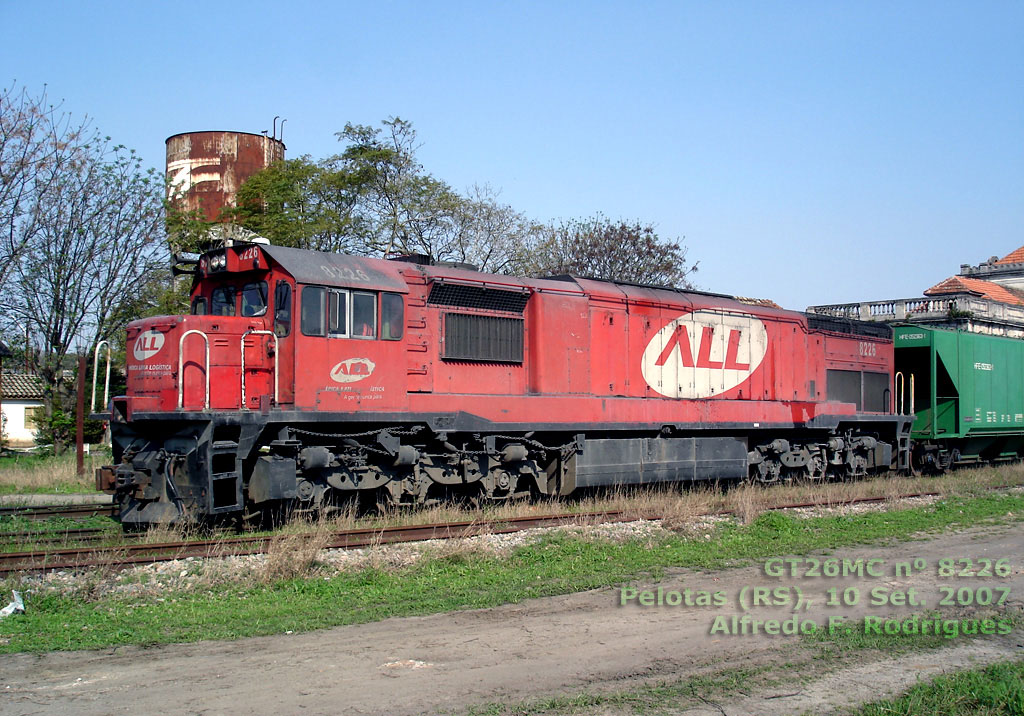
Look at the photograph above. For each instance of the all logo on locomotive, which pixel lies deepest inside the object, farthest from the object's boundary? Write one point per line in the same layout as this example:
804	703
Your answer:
301	378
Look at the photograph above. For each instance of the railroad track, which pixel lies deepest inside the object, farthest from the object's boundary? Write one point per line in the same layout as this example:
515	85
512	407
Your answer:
45	512
79	534
125	555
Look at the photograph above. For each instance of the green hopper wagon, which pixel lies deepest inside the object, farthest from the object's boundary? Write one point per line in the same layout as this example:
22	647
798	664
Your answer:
967	393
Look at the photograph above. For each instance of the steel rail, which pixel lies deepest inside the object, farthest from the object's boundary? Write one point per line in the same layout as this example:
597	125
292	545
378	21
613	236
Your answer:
121	554
42	512
66	535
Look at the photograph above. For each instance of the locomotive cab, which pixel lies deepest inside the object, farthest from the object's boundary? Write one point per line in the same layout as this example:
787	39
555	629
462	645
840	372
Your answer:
202	387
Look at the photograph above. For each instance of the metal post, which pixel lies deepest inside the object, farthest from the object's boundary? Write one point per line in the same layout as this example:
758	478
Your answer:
80	418
3	354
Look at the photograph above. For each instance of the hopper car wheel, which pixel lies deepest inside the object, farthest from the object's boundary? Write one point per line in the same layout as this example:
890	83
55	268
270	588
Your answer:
917	466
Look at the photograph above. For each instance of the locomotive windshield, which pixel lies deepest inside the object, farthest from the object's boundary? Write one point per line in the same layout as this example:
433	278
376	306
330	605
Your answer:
222	302
228	300
254	298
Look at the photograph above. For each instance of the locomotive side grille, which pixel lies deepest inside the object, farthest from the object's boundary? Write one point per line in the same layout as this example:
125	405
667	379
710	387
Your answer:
868	391
490	299
483	338
844	386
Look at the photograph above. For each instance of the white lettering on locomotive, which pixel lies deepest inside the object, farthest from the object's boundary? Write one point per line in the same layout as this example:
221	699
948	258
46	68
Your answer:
352	369
703	354
148	344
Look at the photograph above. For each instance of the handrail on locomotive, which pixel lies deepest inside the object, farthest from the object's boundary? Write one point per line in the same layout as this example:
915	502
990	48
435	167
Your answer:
95	375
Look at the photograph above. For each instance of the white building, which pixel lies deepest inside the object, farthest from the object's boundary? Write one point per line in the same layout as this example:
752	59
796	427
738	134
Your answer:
987	298
22	405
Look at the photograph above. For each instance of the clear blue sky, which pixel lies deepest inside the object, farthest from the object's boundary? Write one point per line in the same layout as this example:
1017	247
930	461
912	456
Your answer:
809	152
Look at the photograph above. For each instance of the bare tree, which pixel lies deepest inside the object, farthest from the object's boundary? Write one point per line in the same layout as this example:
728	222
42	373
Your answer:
612	250
491	235
97	241
39	142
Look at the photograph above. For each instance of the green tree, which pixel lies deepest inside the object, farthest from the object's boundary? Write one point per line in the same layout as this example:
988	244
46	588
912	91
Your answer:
301	203
374	198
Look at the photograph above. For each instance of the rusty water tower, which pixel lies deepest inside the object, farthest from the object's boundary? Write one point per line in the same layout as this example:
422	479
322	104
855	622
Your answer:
205	169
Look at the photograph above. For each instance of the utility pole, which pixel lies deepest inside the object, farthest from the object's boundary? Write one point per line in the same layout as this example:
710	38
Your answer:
80	418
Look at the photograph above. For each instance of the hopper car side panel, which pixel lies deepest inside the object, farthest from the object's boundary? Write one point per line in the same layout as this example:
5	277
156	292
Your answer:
968	395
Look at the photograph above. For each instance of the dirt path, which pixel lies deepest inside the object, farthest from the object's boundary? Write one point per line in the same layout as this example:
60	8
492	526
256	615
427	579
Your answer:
543	647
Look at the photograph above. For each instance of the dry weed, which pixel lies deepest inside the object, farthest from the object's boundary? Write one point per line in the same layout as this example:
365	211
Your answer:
294	554
747	502
684	513
459	550
50	474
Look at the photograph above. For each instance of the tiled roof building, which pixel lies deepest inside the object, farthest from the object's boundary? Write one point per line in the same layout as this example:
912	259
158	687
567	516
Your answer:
21	386
978	287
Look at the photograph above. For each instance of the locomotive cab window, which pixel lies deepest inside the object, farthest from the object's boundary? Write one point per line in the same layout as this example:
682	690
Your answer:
337	313
254	298
199	306
364	315
392	317
222	301
282	309
312	318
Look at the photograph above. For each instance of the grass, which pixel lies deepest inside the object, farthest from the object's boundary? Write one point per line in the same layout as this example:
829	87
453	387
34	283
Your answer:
996	690
857	638
695	690
461	579
28	473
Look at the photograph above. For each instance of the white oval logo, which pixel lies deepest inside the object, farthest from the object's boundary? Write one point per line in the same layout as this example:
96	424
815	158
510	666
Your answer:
148	344
351	370
703	354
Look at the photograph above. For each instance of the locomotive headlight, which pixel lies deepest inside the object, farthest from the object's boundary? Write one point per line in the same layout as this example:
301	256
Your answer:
218	261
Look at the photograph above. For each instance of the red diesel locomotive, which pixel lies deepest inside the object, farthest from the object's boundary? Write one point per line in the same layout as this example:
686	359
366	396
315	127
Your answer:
302	377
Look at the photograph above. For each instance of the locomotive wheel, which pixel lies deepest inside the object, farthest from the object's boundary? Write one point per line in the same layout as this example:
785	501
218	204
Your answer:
380	500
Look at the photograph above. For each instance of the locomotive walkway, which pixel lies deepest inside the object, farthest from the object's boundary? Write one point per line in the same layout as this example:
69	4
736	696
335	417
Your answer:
538	648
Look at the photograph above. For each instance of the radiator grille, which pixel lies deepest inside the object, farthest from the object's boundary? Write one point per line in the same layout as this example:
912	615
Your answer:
483	338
